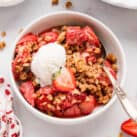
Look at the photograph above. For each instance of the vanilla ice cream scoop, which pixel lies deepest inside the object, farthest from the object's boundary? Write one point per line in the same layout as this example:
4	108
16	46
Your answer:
48	61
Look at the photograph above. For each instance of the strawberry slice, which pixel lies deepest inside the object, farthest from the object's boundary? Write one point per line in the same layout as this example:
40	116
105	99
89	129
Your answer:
27	90
64	81
108	65
130	127
92	38
73	111
27	38
92	59
75	35
58	114
49	36
87	107
46	90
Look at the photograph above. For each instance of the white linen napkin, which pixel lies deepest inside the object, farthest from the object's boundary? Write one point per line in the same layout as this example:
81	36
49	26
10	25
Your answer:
10	126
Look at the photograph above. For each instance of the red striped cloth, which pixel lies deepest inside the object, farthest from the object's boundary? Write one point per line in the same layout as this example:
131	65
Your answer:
10	126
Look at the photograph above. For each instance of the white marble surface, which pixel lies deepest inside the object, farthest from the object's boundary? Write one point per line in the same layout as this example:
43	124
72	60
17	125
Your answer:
121	21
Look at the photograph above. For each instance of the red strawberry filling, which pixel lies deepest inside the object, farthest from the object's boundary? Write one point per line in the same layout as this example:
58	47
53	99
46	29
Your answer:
79	86
27	90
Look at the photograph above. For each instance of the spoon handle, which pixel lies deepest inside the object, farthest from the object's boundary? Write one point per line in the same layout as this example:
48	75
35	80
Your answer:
127	105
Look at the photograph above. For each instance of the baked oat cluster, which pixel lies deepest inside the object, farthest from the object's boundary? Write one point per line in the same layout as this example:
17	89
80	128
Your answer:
77	89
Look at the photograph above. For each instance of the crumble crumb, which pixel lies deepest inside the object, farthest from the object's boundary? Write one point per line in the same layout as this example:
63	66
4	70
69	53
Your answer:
55	2
2	45
120	134
3	34
68	4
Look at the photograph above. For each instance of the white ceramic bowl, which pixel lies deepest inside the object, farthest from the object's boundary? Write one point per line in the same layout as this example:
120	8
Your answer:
8	3
108	39
129	4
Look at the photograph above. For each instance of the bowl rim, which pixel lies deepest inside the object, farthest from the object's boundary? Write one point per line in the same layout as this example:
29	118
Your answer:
69	121
121	5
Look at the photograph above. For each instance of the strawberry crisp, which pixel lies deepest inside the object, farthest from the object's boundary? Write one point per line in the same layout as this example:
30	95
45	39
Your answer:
65	85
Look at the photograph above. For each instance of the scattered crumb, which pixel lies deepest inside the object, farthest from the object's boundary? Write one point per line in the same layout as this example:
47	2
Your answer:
2	45
20	30
120	134
68	4
55	2
3	34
